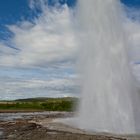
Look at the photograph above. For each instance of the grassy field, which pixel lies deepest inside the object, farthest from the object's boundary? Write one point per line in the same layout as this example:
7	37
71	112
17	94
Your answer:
40	104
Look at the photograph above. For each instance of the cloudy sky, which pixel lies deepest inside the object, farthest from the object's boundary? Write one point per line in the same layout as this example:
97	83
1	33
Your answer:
38	47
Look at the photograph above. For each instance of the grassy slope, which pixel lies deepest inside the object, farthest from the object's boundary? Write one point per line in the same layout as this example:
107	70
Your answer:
42	104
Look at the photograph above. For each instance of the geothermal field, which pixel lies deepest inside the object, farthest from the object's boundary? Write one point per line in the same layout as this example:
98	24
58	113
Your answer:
109	104
47	126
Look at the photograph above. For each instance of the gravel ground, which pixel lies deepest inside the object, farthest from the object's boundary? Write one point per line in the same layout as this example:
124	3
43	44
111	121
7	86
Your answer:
40	127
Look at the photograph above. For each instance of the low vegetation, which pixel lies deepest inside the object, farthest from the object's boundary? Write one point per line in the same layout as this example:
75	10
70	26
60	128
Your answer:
40	104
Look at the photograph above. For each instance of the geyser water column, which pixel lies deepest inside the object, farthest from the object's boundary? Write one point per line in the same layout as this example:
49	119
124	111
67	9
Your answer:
108	100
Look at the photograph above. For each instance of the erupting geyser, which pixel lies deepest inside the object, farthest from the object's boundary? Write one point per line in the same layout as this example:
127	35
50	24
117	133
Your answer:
109	100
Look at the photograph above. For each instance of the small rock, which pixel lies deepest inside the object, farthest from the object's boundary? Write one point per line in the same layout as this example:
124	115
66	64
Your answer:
12	136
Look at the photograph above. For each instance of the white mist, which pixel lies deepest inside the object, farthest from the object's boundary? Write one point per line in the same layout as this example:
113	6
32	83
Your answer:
109	101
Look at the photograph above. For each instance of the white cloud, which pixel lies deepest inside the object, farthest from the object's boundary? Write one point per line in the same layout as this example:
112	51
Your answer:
14	88
133	30
48	40
7	55
132	25
133	13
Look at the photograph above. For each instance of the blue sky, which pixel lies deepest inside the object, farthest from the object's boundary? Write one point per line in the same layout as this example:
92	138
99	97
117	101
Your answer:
132	3
12	12
25	26
15	11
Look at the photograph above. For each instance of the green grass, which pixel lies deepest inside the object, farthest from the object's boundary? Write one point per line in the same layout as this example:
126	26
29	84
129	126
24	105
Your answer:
44	104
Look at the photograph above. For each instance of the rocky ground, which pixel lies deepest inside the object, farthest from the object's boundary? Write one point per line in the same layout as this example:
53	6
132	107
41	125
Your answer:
42	127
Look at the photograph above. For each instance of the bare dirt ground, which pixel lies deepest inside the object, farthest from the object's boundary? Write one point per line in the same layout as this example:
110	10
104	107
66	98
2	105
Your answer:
42	127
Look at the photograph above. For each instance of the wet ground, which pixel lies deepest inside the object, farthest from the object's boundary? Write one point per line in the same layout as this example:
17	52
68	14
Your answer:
33	115
41	126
